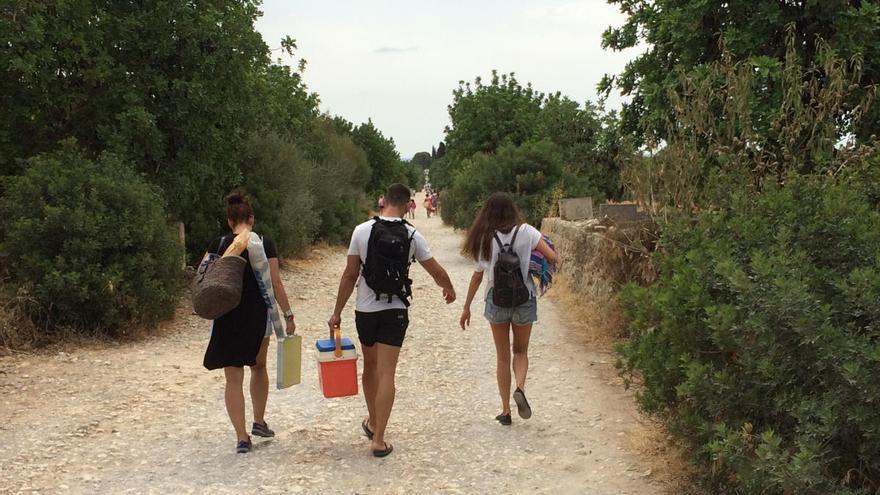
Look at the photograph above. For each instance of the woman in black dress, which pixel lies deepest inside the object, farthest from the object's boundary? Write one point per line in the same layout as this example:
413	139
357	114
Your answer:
241	337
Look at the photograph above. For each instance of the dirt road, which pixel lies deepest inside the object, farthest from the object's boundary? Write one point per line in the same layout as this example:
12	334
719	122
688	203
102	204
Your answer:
145	417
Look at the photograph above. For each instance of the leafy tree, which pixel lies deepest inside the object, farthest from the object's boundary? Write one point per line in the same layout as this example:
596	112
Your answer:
722	123
184	93
299	199
168	85
687	35
591	145
280	179
530	173
503	114
423	158
289	109
413	175
484	116
382	156
341	177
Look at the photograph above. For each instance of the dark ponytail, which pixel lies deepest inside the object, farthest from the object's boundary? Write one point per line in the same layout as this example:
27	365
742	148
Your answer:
238	207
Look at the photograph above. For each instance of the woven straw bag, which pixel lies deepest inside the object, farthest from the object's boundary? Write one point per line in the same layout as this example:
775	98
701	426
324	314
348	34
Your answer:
217	286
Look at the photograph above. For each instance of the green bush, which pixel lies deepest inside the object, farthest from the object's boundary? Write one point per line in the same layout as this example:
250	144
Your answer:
299	199
341	177
530	173
760	342
89	242
279	179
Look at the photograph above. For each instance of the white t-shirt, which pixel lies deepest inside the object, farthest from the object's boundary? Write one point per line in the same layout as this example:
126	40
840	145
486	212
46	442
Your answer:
527	240
360	238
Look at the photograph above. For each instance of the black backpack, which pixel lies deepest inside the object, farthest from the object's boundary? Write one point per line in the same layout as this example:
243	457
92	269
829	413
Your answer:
510	289
386	269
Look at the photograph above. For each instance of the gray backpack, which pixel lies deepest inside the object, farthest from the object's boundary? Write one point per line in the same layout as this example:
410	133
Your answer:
510	289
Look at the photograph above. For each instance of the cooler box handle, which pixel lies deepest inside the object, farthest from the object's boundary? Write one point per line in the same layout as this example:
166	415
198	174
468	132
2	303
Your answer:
337	334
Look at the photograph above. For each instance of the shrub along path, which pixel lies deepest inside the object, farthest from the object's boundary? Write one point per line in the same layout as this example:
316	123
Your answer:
145	417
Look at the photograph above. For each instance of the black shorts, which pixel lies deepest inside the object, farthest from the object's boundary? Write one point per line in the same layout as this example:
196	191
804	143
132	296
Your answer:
385	327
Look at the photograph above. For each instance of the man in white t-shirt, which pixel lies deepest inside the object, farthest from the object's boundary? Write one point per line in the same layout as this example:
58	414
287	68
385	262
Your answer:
382	319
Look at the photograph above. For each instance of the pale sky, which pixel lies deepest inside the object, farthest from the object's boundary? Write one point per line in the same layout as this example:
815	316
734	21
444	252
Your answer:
397	61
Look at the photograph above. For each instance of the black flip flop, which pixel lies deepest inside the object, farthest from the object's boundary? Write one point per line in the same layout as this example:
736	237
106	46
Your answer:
366	429
522	405
384	453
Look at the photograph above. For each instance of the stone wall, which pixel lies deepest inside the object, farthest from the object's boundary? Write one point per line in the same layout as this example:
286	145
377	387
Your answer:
596	257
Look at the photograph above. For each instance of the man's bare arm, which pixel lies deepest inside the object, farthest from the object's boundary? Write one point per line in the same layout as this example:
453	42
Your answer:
346	287
441	278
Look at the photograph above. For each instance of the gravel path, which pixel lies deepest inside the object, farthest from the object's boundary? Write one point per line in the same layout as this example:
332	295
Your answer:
145	417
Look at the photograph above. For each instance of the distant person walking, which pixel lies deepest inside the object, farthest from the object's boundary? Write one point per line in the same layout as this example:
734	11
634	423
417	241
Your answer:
379	256
501	244
429	204
241	337
381	202
435	203
412	209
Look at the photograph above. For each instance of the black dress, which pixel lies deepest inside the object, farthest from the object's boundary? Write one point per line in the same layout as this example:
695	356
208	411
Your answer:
236	337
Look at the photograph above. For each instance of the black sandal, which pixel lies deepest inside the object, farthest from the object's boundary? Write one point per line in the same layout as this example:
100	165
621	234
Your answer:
522	405
384	453
366	429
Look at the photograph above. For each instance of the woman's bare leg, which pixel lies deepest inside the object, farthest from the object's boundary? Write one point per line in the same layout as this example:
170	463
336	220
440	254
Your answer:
235	400
501	336
521	335
260	384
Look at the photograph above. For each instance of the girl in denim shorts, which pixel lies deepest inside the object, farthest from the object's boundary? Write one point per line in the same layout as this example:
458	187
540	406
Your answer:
498	223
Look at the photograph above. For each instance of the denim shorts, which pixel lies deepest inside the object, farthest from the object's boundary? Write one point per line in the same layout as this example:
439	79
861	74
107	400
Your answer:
524	314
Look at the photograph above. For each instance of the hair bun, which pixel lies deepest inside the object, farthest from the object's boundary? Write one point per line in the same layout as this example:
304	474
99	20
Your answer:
236	198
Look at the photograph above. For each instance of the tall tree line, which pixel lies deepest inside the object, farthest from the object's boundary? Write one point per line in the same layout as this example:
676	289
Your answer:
119	118
177	89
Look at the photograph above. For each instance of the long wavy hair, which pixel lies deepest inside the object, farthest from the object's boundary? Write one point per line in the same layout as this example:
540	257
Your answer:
499	213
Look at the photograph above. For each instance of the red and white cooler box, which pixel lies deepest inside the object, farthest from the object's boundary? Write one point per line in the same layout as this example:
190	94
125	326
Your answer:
337	366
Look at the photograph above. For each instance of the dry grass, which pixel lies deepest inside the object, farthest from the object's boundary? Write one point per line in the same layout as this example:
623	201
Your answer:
16	329
624	255
598	316
21	330
667	459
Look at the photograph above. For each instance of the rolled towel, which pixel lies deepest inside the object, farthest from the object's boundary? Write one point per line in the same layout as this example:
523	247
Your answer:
541	269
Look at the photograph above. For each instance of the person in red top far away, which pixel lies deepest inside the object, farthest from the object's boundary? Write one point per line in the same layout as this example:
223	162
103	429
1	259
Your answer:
429	204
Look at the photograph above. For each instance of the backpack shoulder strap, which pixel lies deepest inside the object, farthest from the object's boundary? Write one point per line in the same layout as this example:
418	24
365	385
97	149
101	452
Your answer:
513	240
414	230
220	246
498	240
412	249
